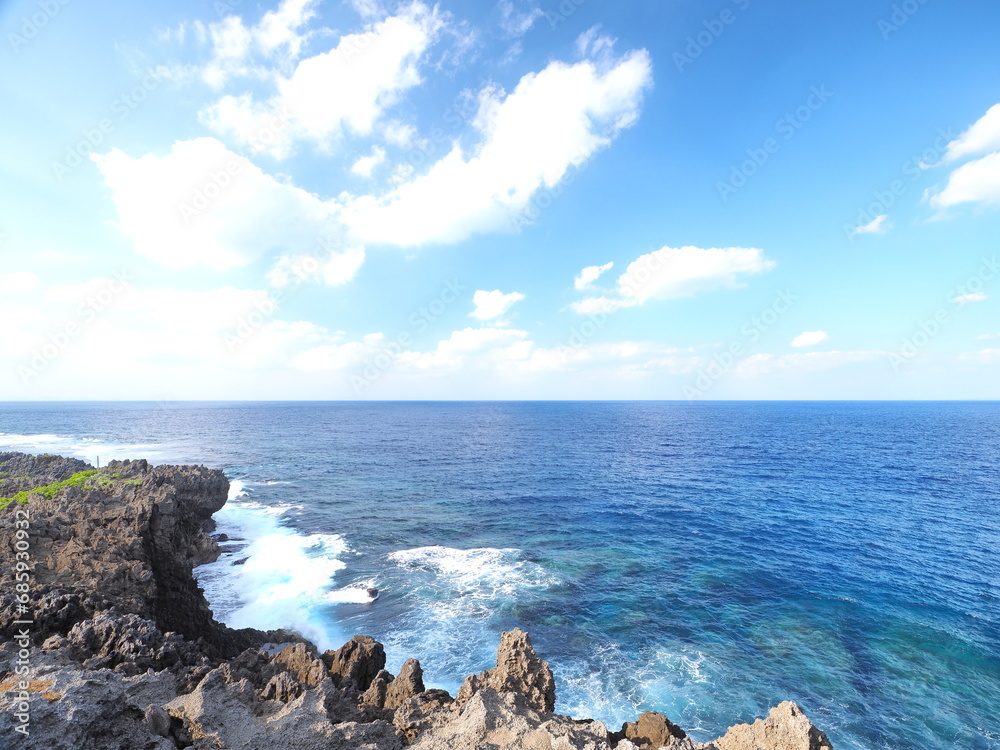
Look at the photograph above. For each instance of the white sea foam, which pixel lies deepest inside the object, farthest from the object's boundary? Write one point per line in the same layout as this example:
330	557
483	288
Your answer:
88	449
283	576
482	573
356	594
614	686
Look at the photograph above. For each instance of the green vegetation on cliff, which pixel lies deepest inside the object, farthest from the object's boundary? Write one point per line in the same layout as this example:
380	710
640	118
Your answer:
90	479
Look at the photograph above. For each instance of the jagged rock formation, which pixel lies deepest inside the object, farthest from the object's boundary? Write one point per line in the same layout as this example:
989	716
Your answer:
126	653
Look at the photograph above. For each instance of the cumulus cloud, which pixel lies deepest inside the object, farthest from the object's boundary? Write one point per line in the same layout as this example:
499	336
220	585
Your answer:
975	182
345	89
335	268
491	305
553	121
674	273
203	205
275	39
978	180
363	167
810	338
589	275
982	136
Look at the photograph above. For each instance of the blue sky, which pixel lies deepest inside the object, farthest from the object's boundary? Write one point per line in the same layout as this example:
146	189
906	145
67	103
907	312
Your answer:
585	199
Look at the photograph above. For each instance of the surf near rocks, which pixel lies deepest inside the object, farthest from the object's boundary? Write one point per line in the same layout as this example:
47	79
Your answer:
125	653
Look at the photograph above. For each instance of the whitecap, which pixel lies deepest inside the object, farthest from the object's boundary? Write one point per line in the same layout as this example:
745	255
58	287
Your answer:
281	578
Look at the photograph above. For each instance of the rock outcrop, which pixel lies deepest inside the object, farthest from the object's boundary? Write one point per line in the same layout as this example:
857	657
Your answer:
785	728
125	652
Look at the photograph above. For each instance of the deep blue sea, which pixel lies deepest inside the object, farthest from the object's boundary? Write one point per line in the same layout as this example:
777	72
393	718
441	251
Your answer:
705	560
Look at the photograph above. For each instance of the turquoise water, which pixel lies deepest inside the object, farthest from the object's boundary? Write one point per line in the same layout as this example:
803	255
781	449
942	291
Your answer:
705	560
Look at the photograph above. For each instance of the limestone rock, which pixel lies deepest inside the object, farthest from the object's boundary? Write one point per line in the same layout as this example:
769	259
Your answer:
654	730
359	660
408	684
518	671
785	728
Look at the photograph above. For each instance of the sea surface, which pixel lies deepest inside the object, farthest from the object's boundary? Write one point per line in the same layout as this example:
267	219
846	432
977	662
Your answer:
705	560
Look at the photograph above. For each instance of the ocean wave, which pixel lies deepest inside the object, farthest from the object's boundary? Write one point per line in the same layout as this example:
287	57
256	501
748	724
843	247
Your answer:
275	576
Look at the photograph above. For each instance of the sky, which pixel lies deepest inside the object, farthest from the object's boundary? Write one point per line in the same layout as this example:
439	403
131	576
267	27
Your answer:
510	199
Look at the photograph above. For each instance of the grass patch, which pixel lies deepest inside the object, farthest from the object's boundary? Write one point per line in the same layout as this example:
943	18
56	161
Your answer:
77	480
90	480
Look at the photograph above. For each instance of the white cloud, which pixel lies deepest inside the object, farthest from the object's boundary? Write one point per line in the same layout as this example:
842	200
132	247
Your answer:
983	356
598	305
490	305
878	225
18	281
553	121
276	39
363	167
341	356
766	364
988	337
399	134
592	43
674	273
968	299
810	338
982	136
516	23
589	275
201	204
975	182
337	268
163	328
347	88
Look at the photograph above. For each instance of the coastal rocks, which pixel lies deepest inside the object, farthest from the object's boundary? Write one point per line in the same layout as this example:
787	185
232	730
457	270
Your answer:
226	712
359	661
785	728
654	730
389	693
518	671
508	707
127	536
125	642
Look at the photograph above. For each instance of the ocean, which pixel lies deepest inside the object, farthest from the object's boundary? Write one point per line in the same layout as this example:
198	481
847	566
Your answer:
706	560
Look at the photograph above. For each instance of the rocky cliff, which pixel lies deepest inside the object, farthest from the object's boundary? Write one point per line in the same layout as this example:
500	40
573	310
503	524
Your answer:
122	651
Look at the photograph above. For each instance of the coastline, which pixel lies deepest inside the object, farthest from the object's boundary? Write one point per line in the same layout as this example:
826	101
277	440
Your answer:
122	634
